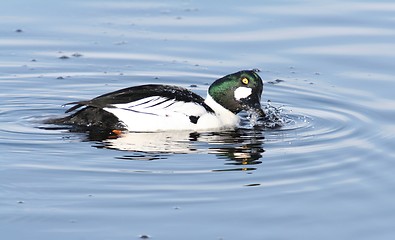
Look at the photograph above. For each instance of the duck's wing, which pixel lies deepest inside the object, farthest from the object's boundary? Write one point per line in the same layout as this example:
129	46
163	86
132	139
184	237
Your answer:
143	97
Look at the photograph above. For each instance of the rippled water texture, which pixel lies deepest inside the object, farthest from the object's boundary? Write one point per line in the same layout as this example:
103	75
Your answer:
327	173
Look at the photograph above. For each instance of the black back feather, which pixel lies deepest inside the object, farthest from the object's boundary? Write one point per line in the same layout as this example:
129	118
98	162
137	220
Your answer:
132	94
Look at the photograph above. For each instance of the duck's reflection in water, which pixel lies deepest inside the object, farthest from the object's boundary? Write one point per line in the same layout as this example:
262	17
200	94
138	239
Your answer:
237	147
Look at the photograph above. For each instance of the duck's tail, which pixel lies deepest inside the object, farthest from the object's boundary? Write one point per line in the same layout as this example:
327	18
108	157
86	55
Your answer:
89	118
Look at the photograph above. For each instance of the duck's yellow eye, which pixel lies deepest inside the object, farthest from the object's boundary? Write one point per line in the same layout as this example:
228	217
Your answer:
244	81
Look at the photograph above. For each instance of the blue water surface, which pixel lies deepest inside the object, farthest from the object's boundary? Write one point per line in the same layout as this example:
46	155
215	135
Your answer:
328	67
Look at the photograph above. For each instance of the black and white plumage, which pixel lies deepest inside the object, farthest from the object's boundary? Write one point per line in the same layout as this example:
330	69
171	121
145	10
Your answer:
162	107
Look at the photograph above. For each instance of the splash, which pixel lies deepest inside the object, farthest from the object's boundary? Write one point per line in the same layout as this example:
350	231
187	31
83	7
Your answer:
274	117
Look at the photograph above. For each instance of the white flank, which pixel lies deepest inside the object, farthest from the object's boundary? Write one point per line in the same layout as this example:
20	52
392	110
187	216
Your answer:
156	114
242	92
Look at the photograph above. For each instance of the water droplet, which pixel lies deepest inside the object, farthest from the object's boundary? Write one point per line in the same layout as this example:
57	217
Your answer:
253	117
274	116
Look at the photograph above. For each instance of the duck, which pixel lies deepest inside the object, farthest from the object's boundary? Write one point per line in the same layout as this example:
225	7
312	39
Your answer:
156	107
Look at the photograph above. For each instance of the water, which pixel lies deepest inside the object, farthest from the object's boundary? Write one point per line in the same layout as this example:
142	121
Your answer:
327	173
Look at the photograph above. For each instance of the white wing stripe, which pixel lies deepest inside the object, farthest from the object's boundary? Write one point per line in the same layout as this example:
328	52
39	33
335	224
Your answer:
141	103
162	106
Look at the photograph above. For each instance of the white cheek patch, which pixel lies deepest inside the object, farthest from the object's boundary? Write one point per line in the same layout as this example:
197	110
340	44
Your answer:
242	92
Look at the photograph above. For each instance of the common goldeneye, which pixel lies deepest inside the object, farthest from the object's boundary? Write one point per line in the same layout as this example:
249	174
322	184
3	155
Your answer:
149	108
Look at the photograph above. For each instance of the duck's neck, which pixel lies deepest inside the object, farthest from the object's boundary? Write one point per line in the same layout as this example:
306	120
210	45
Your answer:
226	117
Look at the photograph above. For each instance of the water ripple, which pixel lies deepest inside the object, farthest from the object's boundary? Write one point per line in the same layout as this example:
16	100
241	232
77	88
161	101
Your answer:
328	70
316	124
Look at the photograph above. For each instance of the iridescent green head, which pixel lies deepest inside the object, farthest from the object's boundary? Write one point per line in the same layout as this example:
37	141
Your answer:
238	91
